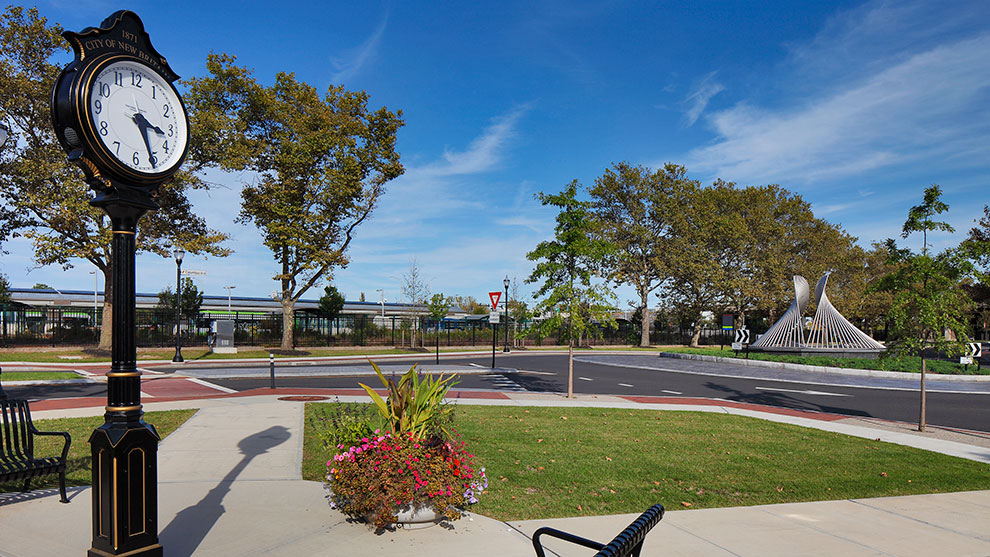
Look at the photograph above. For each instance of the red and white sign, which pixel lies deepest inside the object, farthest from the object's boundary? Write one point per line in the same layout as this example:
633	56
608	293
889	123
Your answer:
494	297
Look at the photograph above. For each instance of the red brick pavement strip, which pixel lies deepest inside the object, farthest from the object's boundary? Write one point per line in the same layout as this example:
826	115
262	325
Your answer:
822	416
206	392
181	393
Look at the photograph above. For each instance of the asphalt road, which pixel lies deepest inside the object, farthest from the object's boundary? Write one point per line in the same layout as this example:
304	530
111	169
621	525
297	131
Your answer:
607	374
948	404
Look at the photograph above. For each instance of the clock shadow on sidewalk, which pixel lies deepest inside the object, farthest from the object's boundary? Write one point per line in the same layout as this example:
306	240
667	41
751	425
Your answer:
191	525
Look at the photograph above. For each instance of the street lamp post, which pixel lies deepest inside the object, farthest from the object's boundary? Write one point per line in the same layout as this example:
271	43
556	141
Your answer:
178	253
505	282
229	288
382	292
96	278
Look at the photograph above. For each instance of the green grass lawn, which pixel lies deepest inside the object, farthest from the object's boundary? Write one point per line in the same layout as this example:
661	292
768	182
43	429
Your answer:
559	462
910	364
37	375
78	470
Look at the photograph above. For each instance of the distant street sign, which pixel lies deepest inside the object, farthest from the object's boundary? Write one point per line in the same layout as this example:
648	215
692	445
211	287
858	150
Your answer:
965	360
494	297
975	349
192	272
737	346
493	317
742	337
727	322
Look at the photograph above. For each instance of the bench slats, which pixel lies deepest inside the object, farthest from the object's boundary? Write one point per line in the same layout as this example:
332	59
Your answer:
17	460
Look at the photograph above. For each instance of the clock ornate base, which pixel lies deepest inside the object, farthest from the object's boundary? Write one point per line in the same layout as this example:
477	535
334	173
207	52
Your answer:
124	448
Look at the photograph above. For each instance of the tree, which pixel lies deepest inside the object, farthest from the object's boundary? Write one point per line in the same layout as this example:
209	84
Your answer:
41	286
322	163
977	243
190	300
438	308
415	288
518	310
44	198
928	299
704	220
4	300
331	303
632	210
566	266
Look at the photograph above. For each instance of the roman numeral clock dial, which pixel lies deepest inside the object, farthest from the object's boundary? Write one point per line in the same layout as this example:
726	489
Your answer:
137	117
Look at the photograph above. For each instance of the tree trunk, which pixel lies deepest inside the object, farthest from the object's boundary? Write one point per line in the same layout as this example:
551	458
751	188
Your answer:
288	323
106	325
921	413
696	337
644	336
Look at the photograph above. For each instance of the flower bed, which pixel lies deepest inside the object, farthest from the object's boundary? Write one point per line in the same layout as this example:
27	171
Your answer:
412	462
384	474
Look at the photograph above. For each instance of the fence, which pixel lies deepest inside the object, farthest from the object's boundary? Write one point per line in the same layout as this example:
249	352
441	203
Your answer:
155	328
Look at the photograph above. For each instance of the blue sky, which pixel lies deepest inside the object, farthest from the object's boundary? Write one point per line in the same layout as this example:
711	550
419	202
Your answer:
856	106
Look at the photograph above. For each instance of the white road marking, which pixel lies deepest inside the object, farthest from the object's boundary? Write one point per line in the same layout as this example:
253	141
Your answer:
819	393
672	392
625	385
211	385
585	379
475	365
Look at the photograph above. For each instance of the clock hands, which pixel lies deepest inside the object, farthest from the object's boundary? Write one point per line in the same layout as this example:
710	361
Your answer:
144	125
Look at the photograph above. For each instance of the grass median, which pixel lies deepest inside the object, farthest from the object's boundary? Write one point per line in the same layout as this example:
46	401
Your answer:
910	364
560	462
37	376
78	469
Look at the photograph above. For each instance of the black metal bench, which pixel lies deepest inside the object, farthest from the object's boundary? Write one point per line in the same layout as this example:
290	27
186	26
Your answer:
17	460
628	543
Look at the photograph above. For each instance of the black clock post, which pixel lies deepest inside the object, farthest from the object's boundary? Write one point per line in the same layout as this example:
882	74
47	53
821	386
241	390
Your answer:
120	120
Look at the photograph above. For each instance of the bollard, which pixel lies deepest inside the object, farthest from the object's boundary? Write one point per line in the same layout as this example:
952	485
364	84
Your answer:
271	368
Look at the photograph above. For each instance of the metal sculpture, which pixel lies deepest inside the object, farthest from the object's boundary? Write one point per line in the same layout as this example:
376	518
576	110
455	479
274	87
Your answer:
788	331
829	331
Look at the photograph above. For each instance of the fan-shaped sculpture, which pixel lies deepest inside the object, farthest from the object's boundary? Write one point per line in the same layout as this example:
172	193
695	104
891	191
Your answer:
788	331
829	331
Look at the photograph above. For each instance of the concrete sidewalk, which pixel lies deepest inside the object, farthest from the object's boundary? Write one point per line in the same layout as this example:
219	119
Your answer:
229	484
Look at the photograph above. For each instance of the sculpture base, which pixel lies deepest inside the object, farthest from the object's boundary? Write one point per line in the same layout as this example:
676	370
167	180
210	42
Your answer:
863	353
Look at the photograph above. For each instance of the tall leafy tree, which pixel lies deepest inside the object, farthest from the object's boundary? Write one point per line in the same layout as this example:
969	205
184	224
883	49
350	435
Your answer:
190	300
43	197
977	243
928	299
322	162
566	267
632	209
700	252
331	302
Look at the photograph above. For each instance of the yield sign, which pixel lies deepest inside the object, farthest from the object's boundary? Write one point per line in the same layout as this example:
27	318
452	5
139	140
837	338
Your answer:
494	297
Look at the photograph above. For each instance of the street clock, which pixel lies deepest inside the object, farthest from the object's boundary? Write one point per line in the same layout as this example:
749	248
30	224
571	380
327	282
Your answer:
116	112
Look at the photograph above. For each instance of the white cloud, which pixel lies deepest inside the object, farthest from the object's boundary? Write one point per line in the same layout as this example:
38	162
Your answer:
353	60
482	154
698	99
920	107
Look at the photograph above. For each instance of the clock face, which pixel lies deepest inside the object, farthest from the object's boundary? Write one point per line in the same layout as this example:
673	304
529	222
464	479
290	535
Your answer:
137	117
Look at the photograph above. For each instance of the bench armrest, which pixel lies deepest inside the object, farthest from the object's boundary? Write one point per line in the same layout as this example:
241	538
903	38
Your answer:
65	447
629	542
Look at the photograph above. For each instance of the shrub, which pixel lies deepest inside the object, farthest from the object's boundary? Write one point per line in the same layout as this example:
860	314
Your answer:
387	473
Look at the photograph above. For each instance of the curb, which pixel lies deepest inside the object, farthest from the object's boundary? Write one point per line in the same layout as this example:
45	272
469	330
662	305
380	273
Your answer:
826	369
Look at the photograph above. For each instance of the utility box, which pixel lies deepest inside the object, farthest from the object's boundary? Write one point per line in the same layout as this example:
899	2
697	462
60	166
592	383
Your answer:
222	332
